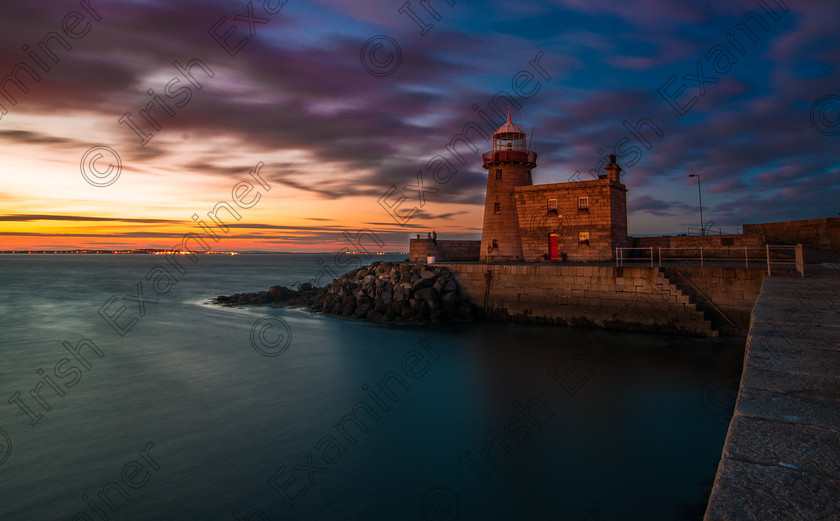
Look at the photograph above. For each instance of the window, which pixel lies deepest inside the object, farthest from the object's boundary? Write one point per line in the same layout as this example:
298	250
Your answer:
495	245
583	238
498	173
552	206
497	208
583	204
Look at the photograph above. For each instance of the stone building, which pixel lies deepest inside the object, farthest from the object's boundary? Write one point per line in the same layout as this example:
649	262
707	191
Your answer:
508	168
585	221
581	221
575	221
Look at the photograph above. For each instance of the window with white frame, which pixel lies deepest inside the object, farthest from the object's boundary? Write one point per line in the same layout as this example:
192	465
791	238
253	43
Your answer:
583	204
583	238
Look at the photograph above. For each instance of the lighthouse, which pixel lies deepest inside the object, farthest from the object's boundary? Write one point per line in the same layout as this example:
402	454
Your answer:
508	165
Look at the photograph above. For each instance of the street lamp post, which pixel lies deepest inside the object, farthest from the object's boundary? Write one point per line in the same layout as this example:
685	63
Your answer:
700	196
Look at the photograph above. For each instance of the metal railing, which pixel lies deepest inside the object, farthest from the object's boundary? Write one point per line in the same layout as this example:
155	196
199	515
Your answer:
519	156
620	258
771	256
701	231
704	297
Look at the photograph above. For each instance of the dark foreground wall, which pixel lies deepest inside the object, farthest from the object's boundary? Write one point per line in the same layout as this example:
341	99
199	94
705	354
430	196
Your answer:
781	459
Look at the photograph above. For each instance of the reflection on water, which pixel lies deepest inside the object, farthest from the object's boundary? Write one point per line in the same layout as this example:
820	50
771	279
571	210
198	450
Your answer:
182	418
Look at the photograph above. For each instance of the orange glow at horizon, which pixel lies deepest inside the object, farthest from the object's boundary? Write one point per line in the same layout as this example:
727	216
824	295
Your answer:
297	204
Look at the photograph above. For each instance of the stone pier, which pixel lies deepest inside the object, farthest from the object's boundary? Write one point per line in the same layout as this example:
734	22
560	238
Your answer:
781	459
631	298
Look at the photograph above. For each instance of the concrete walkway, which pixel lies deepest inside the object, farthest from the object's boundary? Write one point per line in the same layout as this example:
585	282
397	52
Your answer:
781	459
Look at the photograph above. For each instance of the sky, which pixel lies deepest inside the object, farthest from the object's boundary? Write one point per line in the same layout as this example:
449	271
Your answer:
309	126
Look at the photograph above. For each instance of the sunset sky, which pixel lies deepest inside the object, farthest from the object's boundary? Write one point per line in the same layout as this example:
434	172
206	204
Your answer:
337	122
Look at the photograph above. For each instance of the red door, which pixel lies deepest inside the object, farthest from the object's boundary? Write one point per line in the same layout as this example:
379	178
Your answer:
552	246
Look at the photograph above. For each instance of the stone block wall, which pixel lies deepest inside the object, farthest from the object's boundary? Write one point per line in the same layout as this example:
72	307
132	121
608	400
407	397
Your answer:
445	250
501	226
818	233
634	299
647	242
733	290
605	220
781	459
729	245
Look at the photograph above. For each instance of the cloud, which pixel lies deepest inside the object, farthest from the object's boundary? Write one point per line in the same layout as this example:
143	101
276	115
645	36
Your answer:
27	137
658	207
297	98
82	218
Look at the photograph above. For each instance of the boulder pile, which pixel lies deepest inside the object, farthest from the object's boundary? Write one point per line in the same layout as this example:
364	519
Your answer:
379	292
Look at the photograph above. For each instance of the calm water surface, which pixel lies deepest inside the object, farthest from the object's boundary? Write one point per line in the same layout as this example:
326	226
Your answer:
470	421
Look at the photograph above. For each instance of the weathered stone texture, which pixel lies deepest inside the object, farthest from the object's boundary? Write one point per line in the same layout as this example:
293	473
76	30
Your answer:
633	298
503	225
781	459
605	219
818	233
421	249
732	290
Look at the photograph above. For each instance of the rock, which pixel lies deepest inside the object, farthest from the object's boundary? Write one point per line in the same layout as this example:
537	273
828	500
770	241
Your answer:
387	294
363	309
422	308
405	312
422	283
380	292
426	294
348	308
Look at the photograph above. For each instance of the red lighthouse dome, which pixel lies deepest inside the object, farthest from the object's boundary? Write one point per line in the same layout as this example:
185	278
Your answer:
510	144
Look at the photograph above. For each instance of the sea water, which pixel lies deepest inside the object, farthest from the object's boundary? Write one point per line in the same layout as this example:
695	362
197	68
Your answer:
195	411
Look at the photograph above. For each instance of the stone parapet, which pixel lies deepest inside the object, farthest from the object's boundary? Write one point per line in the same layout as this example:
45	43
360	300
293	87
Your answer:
781	459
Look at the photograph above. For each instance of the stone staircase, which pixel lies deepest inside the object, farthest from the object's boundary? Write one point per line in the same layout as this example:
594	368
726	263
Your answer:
718	320
701	322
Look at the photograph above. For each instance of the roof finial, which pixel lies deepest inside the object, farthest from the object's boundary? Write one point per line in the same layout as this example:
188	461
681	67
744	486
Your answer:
508	114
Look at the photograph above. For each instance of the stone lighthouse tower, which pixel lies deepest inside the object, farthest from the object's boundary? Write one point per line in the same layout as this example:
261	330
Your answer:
508	165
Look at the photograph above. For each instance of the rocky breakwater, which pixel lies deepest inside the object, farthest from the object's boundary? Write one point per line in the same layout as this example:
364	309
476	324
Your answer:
379	292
